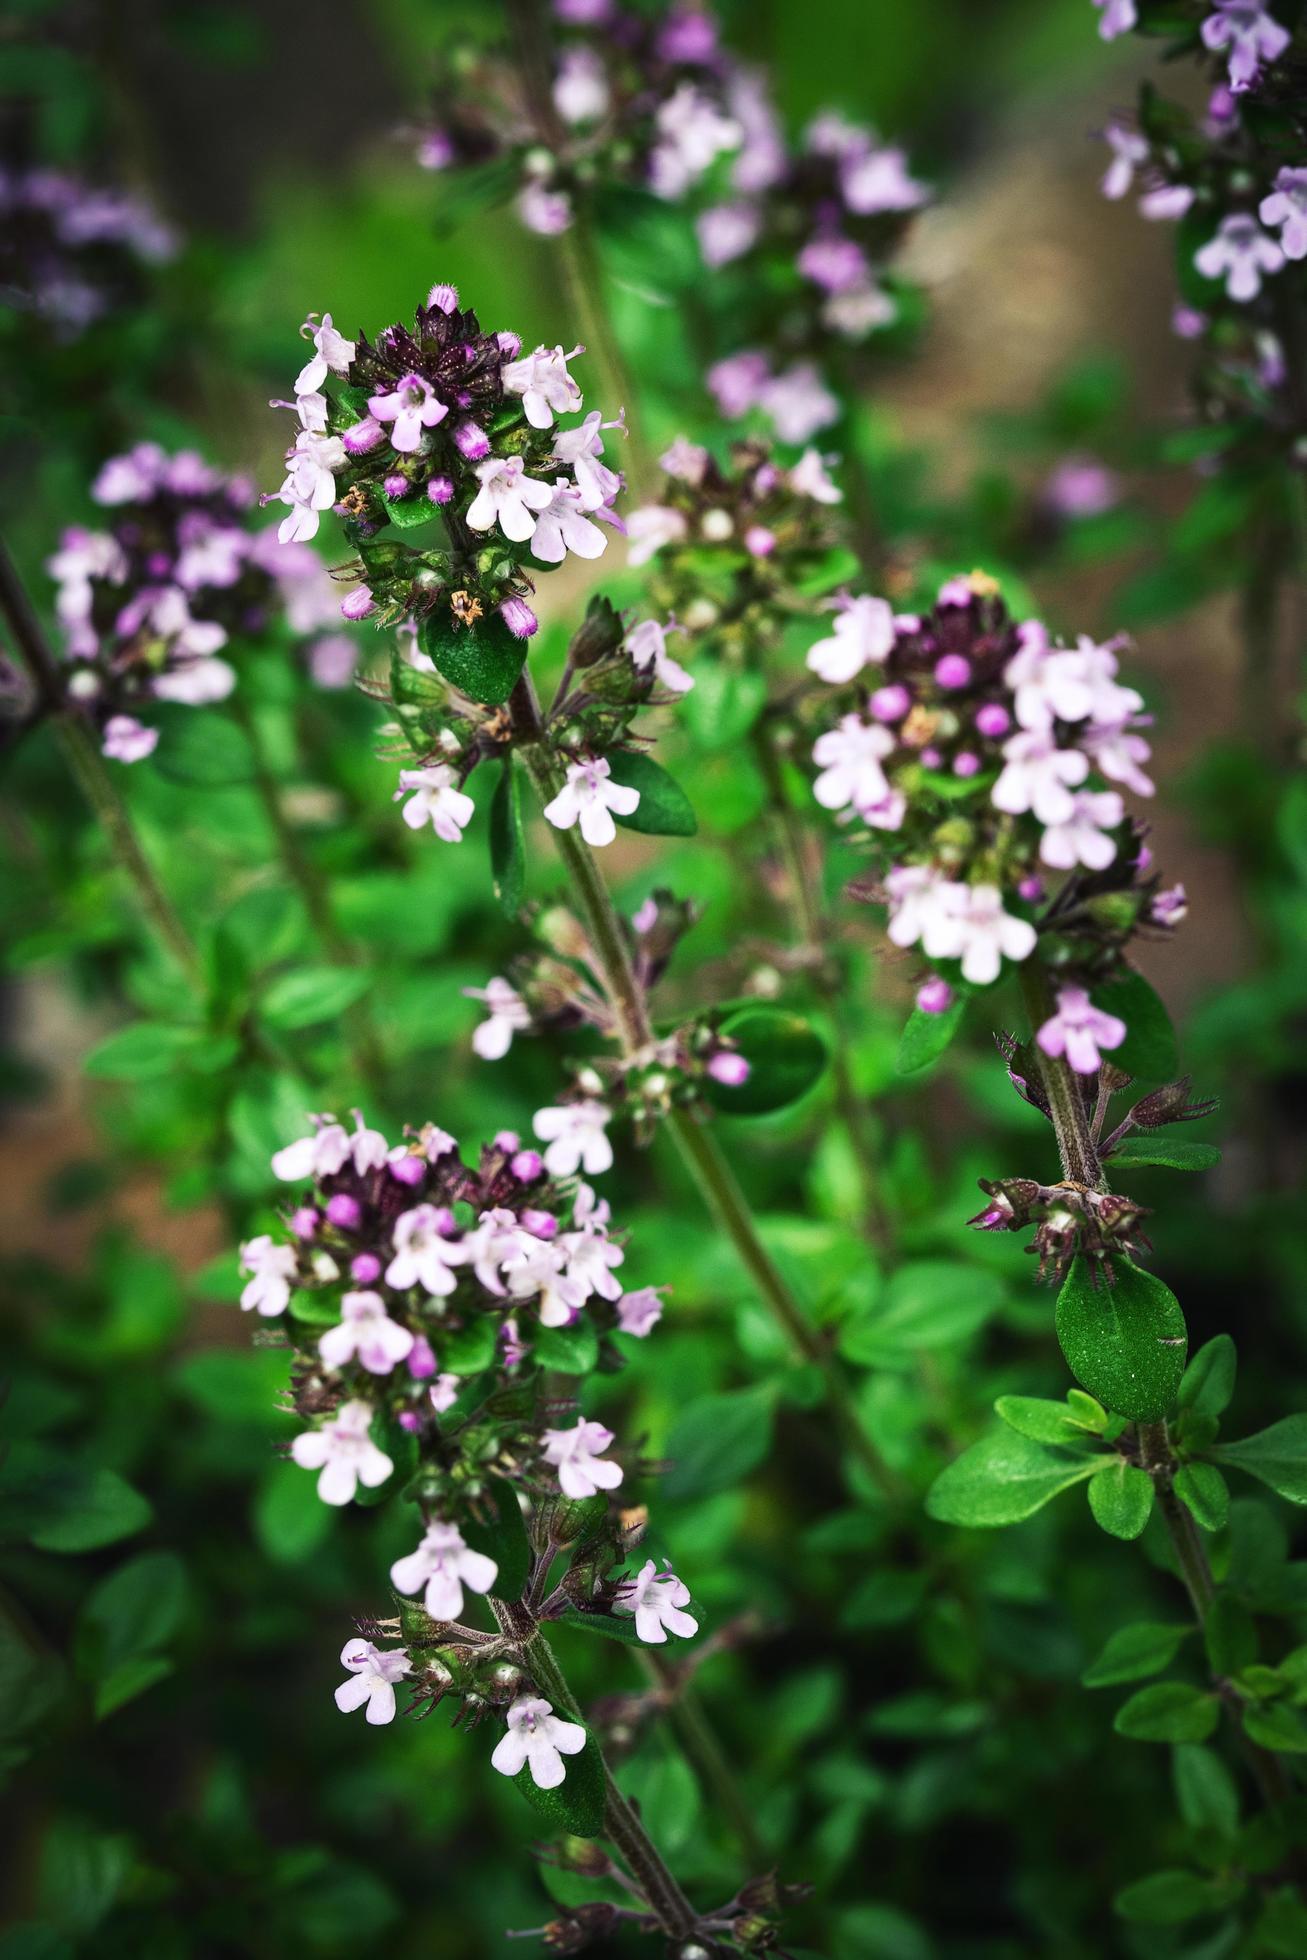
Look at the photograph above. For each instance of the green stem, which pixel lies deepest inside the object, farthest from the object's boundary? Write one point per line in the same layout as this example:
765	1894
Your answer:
699	1148
622	1825
814	929
91	773
1070	1113
313	889
704	1753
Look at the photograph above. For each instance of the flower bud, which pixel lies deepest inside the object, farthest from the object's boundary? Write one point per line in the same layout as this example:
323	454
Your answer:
600	634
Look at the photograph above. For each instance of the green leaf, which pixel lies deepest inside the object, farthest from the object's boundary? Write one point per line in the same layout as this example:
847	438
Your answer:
580	1800
1208	1384
1205	1790
572	1350
312	994
1149	1049
144	1052
133	1611
503	1538
1121	1499
613	1626
1043	1422
1001	1480
204	751
786	1057
1274	1725
717	1441
664	809
470	1350
1202	1488
1134	1652
1171	1898
60	1505
1169	1711
483	660
1125	1343
1277	1456
926	1036
928	1304
1171	1153
127	1681
1229	1634
507	840
723	704
407	513
290	1519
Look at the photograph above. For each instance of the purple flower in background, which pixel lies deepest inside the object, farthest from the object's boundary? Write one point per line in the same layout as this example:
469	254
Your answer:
1286	210
835	264
542	210
1129	150
1117	17
736	383
1081	487
1240	253
1251	34
726	231
881	181
798	402
1079	1030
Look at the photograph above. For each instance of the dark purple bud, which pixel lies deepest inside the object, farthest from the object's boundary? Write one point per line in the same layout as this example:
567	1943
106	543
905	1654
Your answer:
1031	889
729	1068
953	671
934	996
396	486
931	758
358	603
759	542
527	1166
410	1420
407	1169
363	436
506	1140
519	618
444	298
542	1223
344	1211
471	441
365	1267
966	764
510	345
304	1222
890	703
440	489
993	720
421	1361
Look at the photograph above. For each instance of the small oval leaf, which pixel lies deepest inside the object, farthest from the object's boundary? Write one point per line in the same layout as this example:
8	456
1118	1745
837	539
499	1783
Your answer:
483	661
1125	1343
664	809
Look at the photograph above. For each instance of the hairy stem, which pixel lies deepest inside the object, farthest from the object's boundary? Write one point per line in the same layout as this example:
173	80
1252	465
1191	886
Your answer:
622	1825
699	1148
1076	1147
814	929
92	775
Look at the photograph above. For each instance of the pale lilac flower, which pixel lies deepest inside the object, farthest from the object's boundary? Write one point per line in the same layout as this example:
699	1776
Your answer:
1240	253
411	407
646	643
1083	838
986	935
368	1148
638	1313
591	1256
649	529
685	460
1251	34
444	1564
918	898
434	799
543	382
726	232
132	478
426	1251
310	484
1079	1030
196	684
591	797
881	181
1119	754
858	311
1039	776
1066	683
1082	487
332	354
1129	150
544	211
444	1392
736	383
273	1267
576	1453
580	87
538	1737
1286	207
576	1134
128	740
850	758
536	1269
582	450
344	1452
1166	203
1117	17
563	526
810	478
799	403
320	1155
373	1674
509	1015
862	636
507	496
366	1331
656	1600
1170	907
692	134
835	264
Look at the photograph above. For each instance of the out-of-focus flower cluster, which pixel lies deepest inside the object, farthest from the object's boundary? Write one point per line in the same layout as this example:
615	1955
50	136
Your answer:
151	603
985	763
632	100
1233	172
426	1303
72	252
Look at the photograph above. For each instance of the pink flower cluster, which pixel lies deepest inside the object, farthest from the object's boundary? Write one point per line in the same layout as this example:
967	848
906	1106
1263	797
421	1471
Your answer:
72	252
150	604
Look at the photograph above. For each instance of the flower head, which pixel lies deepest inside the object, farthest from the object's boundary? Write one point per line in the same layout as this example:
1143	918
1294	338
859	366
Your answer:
1079	1030
344	1452
538	1737
373	1674
591	798
577	1137
433	799
440	1568
577	1455
656	1600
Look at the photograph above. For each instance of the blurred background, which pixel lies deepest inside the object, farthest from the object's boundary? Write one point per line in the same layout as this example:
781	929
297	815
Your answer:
902	1710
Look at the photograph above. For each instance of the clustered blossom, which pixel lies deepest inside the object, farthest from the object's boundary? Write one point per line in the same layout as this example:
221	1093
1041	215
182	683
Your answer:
71	252
153	605
1233	170
634	99
417	1294
981	759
